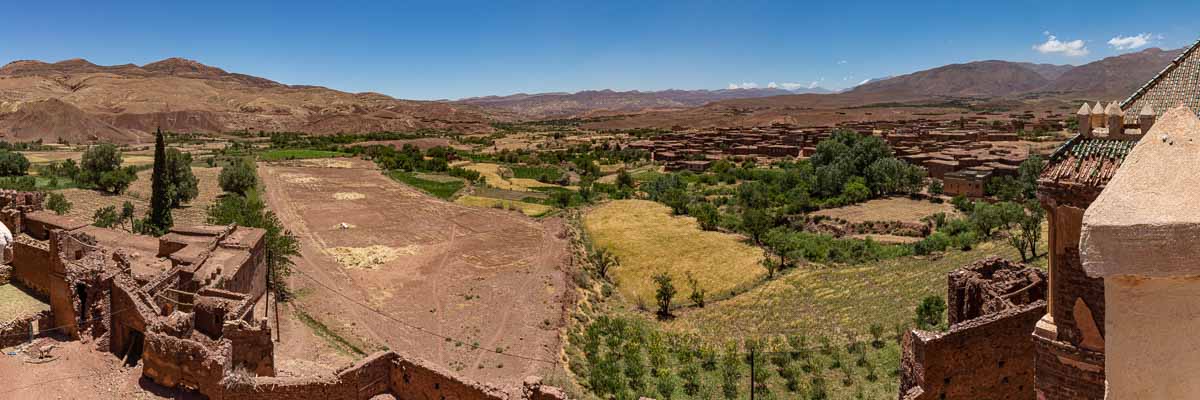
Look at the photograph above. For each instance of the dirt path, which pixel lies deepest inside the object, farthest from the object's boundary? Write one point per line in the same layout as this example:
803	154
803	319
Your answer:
464	283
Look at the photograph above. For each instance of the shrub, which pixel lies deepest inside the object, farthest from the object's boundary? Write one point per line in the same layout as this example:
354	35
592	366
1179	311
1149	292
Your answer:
13	163
929	312
238	177
58	203
97	161
664	294
105	217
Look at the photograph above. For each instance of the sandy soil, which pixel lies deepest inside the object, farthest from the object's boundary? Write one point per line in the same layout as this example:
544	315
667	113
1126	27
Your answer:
482	277
79	372
890	209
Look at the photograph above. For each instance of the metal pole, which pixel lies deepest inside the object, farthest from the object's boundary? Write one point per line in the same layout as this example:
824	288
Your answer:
751	373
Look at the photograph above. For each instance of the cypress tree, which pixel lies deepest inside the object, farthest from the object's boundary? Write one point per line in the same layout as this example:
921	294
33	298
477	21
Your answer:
159	219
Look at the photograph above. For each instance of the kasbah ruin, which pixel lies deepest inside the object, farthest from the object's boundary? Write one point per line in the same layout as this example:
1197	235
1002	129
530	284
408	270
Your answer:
189	314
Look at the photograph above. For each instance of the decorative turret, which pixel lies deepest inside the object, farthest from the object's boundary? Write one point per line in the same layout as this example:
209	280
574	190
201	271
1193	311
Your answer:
1146	118
1115	120
1097	116
1083	119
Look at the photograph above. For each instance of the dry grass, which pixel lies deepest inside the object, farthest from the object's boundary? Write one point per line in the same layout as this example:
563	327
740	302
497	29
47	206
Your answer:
370	257
15	303
648	240
37	157
492	174
530	209
886	239
890	209
86	202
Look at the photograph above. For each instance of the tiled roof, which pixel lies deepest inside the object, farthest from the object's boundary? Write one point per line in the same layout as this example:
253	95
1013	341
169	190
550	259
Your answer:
1178	83
1086	161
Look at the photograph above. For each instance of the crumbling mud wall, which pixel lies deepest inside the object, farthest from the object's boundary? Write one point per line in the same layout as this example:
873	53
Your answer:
31	265
989	286
19	331
173	361
991	357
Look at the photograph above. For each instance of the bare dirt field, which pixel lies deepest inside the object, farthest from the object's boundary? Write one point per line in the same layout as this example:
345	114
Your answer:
459	284
78	372
890	209
86	202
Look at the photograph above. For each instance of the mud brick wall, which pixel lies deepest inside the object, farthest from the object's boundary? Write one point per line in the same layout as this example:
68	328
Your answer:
271	388
5	274
1066	372
19	331
252	347
171	361
417	379
1070	283
31	265
990	357
251	277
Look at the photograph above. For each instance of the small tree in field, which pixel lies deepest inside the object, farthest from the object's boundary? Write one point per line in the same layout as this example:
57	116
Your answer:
664	294
929	312
58	203
238	177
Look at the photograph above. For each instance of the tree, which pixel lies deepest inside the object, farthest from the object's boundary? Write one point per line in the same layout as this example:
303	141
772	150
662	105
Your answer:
238	177
935	187
706	215
13	163
127	215
1025	228
184	187
116	181
929	312
98	160
856	190
698	292
624	180
664	294
158	220
756	222
1027	175
58	203
105	217
771	265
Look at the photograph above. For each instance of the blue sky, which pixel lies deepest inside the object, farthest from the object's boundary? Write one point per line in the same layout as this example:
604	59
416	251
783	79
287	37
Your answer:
436	50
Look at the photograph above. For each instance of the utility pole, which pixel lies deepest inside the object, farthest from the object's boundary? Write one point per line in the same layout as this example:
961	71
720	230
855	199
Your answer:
752	373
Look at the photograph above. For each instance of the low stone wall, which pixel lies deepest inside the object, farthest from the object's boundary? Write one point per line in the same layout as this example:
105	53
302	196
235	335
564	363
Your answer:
990	357
171	361
1068	372
31	265
20	330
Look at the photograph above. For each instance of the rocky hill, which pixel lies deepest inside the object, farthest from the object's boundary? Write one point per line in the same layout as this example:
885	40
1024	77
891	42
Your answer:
599	102
78	101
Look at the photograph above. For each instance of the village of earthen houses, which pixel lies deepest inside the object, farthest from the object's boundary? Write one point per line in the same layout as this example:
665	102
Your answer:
890	213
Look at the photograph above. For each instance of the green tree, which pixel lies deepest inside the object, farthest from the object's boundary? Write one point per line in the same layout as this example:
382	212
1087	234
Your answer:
13	163
756	222
1027	175
664	294
58	203
624	180
127	215
238	177
698	292
98	160
706	215
935	187
184	187
106	217
856	190
158	220
929	312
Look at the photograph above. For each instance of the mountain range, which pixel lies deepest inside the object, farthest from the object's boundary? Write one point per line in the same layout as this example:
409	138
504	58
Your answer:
78	101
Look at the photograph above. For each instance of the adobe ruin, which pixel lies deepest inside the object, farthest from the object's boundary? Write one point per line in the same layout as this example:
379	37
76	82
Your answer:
190	308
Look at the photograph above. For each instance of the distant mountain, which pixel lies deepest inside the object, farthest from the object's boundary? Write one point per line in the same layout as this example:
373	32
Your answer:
593	102
1048	71
983	79
1113	78
78	101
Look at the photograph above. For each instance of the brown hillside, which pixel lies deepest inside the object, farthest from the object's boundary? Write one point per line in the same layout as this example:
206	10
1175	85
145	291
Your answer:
1114	78
123	103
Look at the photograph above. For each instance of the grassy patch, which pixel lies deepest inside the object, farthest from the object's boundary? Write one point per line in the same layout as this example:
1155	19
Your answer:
890	209
530	209
540	173
440	189
493	174
297	154
15	303
321	330
828	300
648	240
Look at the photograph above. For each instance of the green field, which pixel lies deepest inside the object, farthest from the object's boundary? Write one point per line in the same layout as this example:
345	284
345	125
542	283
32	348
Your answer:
442	189
298	154
551	174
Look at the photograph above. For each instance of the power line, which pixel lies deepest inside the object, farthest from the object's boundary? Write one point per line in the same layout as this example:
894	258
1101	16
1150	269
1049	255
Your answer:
69	325
420	329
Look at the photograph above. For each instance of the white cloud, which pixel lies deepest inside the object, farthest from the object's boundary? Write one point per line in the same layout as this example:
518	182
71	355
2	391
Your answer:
1131	42
1073	48
772	85
842	62
743	85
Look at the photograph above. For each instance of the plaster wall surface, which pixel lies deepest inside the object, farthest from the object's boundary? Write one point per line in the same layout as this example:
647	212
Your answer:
1137	351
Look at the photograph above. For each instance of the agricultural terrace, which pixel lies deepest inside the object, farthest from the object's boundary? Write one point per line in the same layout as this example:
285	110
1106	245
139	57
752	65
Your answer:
647	240
530	209
85	202
502	177
898	208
